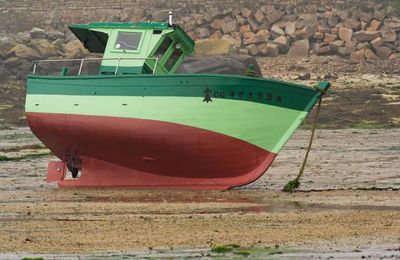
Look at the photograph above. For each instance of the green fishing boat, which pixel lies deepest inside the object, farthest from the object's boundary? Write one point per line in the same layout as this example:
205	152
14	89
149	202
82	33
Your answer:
137	123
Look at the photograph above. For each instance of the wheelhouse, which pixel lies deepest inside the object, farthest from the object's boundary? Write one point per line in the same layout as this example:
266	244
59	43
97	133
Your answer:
135	48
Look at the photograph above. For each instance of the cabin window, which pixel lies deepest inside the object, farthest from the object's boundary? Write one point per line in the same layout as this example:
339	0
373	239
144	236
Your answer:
173	59
163	47
128	41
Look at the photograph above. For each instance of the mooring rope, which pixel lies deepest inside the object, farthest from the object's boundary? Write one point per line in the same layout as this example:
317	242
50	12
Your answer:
295	183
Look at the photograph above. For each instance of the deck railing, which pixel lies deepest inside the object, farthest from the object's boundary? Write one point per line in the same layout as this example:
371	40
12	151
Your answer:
82	61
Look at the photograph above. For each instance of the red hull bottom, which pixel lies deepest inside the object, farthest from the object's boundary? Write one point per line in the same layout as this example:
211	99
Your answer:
126	152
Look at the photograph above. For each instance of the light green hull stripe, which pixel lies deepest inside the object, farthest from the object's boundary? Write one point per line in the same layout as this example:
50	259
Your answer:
265	126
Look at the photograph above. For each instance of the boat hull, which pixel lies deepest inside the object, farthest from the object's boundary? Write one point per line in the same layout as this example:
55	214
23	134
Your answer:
128	152
189	131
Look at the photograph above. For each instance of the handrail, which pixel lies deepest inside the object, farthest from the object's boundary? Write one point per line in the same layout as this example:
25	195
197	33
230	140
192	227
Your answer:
36	62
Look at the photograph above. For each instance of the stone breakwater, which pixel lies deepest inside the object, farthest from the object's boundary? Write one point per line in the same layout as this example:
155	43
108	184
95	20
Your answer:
358	30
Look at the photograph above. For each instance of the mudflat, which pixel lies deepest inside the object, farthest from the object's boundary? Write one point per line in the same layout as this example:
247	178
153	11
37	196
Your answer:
342	203
348	204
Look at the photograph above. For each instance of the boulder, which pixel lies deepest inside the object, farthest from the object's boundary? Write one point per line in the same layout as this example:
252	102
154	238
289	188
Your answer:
305	19
366	36
370	54
323	28
264	33
379	15
362	45
44	47
343	14
253	24
391	24
343	51
217	24
335	45
190	26
57	44
246	12
389	35
322	48
192	35
253	50
245	28
267	9
160	15
23	52
358	55
366	17
212	14
330	37
202	32
6	44
319	36
4	73
73	49
251	38
216	35
259	16
283	44
352	24
290	28
240	19
332	21
243	52
363	26
272	50
237	41
383	52
130	14
345	34
54	35
375	25
299	49
276	32
38	33
247	36
210	47
23	37
335	30
262	48
274	17
12	62
308	31
378	42
228	27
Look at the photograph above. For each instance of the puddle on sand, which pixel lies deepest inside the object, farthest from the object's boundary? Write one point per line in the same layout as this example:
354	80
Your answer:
392	252
232	203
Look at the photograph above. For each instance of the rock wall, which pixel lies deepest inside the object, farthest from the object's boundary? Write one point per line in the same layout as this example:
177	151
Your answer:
356	29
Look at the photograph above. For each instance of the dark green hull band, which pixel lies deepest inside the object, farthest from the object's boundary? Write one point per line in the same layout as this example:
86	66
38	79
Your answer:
209	86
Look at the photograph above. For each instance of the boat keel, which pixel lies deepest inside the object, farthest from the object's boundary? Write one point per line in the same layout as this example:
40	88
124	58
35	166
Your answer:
100	174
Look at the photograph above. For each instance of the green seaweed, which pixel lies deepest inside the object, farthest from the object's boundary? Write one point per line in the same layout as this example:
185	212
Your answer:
291	185
243	253
224	248
4	158
365	124
258	252
32	258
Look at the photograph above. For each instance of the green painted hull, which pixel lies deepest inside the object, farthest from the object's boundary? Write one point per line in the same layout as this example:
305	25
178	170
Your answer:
261	112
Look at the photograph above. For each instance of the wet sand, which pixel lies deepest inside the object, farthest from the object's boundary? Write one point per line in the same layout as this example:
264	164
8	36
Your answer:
348	205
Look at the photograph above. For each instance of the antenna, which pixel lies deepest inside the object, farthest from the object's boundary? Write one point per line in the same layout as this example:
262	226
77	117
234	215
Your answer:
170	18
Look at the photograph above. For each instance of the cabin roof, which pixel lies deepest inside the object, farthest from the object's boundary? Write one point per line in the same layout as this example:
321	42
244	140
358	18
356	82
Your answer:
116	25
96	41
